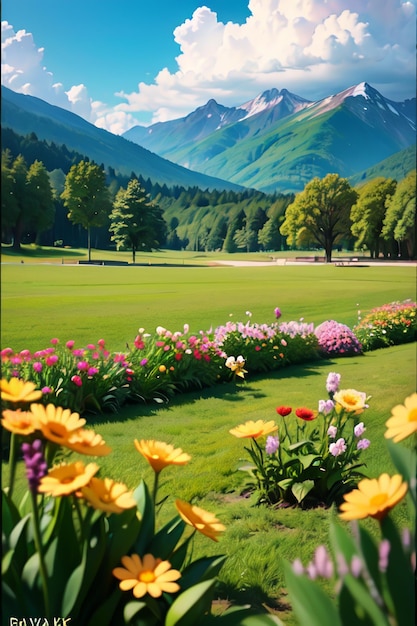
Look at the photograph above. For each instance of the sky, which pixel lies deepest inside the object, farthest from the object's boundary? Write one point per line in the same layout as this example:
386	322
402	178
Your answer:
127	62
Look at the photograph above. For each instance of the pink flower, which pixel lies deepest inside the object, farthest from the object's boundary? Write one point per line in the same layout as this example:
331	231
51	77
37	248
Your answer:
54	341
51	360
37	366
338	448
359	429
78	352
92	371
144	362
77	380
277	312
101	343
91	346
363	444
46	390
139	343
70	344
332	432
82	365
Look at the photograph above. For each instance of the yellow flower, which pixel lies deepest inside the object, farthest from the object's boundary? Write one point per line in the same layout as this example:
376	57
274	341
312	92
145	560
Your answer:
148	575
107	495
16	390
160	454
57	424
203	521
251	429
19	422
64	479
86	441
236	365
374	497
403	421
351	400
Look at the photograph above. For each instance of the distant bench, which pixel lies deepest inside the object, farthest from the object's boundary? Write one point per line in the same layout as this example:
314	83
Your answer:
310	259
342	262
98	262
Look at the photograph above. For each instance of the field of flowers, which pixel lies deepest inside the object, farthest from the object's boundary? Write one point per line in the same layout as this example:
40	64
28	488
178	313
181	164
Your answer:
90	550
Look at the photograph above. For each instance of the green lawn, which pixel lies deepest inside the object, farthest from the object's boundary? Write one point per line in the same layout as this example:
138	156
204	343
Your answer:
86	303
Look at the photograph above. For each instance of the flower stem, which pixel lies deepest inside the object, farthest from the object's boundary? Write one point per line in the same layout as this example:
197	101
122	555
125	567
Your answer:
12	462
39	549
155	487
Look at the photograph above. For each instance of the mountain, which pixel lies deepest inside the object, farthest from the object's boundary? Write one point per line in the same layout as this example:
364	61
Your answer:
165	138
26	114
396	166
282	141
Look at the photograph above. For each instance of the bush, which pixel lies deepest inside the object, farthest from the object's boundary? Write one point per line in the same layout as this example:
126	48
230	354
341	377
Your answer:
337	339
388	325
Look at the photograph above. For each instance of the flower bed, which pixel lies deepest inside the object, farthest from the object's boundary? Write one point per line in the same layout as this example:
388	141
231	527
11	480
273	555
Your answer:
164	363
388	325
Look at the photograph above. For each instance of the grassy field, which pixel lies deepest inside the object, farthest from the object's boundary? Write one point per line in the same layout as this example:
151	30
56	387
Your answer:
86	303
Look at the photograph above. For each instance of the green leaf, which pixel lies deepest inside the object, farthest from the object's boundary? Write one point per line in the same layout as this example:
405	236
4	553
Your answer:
131	609
309	459
405	460
147	517
341	540
190	606
165	540
311	605
123	529
103	616
364	599
300	490
202	569
9	514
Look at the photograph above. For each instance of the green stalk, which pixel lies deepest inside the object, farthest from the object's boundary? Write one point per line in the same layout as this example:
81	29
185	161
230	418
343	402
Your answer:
39	549
155	487
12	461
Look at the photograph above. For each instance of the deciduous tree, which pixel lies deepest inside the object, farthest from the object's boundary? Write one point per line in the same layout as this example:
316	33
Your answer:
87	197
400	217
368	213
323	209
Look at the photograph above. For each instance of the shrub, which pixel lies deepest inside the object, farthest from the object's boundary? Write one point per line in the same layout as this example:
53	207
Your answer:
388	325
336	339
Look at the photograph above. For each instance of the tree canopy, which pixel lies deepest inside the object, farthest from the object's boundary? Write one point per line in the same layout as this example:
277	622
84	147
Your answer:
87	197
400	218
320	212
135	221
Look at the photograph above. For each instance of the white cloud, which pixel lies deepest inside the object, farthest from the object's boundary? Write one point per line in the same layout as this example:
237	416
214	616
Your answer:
311	47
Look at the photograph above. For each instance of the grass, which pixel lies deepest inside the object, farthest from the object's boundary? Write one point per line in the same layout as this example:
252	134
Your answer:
85	303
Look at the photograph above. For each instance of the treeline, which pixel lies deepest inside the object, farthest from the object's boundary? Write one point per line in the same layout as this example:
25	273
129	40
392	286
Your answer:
195	219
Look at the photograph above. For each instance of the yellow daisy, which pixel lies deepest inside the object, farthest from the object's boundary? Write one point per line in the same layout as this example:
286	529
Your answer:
148	575
374	497
403	421
62	480
19	422
86	441
107	495
16	390
203	521
57	424
252	430
160	454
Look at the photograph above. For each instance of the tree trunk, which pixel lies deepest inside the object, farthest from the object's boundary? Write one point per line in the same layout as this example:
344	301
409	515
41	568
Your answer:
133	254
89	243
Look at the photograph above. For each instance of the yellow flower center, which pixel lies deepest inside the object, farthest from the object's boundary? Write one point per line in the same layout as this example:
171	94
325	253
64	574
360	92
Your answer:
412	416
378	499
57	429
147	576
351	400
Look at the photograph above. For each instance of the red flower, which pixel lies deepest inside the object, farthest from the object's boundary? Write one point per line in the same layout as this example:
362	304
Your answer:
284	410
306	414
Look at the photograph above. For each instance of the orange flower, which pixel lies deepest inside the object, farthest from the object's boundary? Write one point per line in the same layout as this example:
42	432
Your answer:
374	497
86	441
403	421
57	424
19	422
306	414
252	430
107	495
16	390
62	480
160	454
150	575
203	521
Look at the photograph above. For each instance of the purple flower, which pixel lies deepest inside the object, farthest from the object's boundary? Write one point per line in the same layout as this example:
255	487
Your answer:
46	390
92	371
359	429
36	466
332	382
144	362
363	444
277	312
332	432
272	445
326	406
338	448
384	550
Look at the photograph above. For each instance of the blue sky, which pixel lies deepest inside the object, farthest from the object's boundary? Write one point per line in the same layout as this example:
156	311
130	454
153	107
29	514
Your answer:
121	63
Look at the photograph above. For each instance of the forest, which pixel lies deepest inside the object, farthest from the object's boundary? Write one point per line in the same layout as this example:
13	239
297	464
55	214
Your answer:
56	197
